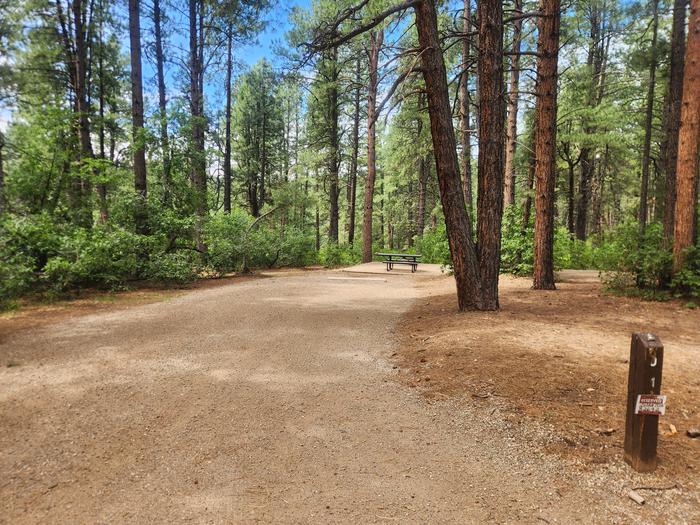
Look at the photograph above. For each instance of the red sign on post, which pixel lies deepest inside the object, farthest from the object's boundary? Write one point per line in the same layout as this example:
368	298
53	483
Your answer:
650	405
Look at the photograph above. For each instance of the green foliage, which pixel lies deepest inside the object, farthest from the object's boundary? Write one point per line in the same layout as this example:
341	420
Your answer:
224	234
516	243
101	258
687	281
16	277
629	259
433	246
333	255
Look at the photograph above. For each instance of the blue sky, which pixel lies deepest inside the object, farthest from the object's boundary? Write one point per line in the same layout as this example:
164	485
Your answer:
278	25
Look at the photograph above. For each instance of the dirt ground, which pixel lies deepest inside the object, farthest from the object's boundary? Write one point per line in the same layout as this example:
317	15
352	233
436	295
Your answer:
559	361
285	399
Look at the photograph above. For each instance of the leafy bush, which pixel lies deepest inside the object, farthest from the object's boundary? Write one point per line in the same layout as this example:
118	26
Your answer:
99	257
434	247
516	244
627	257
334	254
687	281
172	268
224	235
16	277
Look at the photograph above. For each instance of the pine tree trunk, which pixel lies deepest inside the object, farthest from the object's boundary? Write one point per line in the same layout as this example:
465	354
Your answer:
673	115
464	259
138	137
646	150
352	176
684	233
512	126
227	139
545	147
571	198
423	173
464	110
2	175
83	212
101	186
334	150
162	105
197	155
527	204
491	135
376	40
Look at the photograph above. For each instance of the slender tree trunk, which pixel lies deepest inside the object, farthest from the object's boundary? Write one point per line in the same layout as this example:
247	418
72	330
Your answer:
423	174
138	138
571	198
673	115
464	109
376	40
512	126
352	176
334	153
491	135
197	154
527	204
464	259
2	174
684	233
82	184
587	167
646	151
263	157
102	186
162	105
318	218
227	146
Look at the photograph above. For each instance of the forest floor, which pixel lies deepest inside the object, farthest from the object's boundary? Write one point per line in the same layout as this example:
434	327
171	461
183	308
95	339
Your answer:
289	399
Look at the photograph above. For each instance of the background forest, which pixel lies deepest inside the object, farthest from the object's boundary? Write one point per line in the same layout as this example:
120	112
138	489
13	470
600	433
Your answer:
203	166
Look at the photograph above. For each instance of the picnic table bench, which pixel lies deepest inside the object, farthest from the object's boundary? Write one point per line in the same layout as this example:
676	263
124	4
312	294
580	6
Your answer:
408	259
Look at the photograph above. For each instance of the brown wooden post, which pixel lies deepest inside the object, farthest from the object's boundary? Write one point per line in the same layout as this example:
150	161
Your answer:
641	430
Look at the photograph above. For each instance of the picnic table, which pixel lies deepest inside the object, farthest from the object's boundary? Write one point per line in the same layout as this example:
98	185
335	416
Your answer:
408	259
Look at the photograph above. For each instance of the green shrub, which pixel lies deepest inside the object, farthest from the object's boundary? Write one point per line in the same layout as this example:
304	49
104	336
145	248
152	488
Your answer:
434	247
686	282
516	244
16	277
100	257
179	267
224	235
334	254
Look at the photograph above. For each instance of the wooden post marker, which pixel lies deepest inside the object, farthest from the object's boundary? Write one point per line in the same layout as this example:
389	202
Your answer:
644	404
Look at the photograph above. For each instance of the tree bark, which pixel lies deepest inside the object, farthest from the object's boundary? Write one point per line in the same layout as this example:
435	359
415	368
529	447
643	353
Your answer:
83	212
334	152
162	105
646	150
545	146
423	174
512	126
673	115
101	186
352	176
197	155
464	116
527	204
376	40
491	135
227	139
687	167
138	138
464	258
2	175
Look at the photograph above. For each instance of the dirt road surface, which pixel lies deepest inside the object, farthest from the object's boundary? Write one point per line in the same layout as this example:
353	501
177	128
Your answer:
267	401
